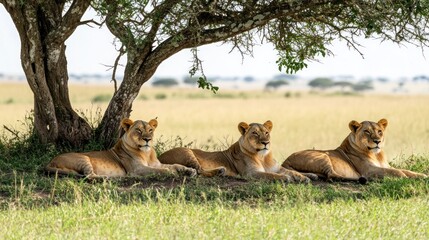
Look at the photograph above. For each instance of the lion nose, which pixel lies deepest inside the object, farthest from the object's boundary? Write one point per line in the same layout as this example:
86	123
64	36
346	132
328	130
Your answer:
265	142
377	141
147	139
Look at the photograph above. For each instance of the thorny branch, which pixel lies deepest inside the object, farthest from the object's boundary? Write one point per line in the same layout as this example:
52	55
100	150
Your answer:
115	66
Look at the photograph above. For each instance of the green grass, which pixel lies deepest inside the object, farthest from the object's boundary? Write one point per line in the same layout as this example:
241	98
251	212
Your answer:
184	220
212	209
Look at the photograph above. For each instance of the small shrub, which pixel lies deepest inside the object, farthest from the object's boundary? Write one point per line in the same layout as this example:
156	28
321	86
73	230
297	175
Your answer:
160	96
274	84
22	150
292	94
143	97
224	95
165	82
214	145
244	95
90	116
190	80
9	101
162	145
363	86
101	98
343	93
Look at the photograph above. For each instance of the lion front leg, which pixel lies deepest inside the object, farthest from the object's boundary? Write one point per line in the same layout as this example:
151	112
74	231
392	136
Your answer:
271	176
412	174
186	157
378	172
180	169
147	170
298	176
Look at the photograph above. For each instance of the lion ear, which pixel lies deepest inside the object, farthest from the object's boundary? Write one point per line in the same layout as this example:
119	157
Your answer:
354	125
383	123
153	123
242	127
126	123
269	125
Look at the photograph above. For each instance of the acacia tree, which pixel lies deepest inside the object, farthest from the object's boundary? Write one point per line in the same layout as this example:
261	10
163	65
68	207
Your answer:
43	28
151	31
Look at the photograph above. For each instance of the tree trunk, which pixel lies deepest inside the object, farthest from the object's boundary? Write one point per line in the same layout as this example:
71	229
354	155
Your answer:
120	105
140	67
45	66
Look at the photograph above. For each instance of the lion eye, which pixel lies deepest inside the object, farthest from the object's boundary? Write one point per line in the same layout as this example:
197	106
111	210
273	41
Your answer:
139	131
367	132
380	132
150	130
255	133
266	133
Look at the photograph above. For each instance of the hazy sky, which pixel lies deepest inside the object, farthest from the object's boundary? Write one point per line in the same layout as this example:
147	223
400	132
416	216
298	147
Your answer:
89	48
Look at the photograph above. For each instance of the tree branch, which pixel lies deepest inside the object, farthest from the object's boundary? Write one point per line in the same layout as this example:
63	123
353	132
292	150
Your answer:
115	67
243	23
87	22
70	21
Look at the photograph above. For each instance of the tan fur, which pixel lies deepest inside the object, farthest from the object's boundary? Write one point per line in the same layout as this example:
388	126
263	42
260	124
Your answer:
132	155
250	156
360	156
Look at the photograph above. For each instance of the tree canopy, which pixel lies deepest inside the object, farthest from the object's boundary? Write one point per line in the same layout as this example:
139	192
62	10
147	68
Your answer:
274	84
149	32
165	82
321	83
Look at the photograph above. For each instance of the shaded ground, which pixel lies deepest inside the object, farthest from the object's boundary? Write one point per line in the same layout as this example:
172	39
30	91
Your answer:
43	190
220	182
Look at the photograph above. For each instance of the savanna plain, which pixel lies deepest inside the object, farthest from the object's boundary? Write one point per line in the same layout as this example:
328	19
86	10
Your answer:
36	206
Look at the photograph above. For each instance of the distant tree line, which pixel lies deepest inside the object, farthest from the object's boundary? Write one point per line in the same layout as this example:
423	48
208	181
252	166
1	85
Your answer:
321	83
325	83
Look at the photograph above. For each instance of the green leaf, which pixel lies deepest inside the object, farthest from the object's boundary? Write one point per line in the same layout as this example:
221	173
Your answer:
205	84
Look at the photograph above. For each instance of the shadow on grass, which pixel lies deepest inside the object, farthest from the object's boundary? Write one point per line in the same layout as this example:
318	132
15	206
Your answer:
33	190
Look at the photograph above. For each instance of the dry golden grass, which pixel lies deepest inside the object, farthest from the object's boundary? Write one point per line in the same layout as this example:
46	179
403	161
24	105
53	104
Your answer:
308	121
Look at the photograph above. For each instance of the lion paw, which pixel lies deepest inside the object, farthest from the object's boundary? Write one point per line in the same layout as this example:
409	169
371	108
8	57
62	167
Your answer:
172	172
288	179
312	176
190	172
306	180
302	179
92	176
421	175
221	171
299	178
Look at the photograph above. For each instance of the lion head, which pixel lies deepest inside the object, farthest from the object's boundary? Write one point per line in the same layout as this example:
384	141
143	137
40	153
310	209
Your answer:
139	134
368	136
255	137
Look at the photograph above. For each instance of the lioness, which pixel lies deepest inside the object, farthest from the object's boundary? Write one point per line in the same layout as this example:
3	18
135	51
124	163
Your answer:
250	156
359	157
132	155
